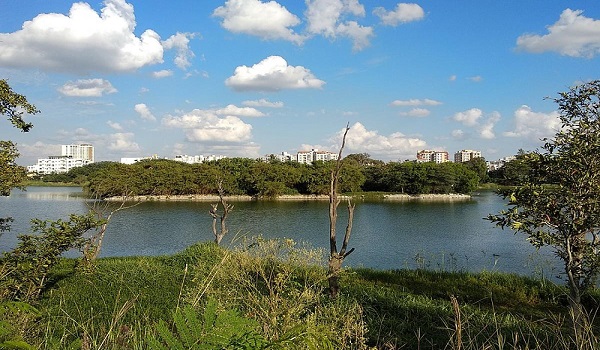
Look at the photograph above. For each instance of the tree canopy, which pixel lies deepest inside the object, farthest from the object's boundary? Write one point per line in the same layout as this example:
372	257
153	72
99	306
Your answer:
557	204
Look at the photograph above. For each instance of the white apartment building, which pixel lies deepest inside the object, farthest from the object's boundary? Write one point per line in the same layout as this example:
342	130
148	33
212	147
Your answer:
282	157
497	164
466	155
82	151
424	156
307	157
72	156
56	165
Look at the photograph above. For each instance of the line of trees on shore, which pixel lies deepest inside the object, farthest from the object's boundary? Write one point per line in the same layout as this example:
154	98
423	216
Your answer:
244	176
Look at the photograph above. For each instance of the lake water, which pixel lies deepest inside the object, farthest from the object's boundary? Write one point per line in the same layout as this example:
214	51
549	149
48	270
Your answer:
386	235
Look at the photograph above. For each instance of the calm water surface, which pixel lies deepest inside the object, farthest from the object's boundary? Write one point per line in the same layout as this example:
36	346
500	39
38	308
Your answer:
386	235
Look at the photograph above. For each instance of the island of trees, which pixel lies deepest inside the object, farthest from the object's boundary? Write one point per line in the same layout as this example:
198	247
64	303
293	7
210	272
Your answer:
257	178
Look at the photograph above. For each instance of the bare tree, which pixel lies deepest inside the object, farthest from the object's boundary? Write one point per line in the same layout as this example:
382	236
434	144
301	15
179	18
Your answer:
227	208
336	258
103	212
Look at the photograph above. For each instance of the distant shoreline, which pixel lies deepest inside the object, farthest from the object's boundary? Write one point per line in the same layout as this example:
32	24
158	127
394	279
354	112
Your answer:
245	198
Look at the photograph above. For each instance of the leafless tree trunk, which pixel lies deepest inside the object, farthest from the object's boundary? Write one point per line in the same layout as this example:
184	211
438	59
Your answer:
213	212
336	258
91	250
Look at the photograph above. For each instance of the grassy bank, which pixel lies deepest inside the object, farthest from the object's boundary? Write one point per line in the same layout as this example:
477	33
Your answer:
272	294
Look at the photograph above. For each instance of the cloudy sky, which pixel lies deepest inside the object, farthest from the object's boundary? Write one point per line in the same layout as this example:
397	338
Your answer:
250	77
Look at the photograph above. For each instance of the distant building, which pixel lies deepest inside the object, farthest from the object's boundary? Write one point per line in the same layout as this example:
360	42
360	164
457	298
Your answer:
72	156
282	157
497	164
196	159
82	151
307	157
424	156
466	155
133	160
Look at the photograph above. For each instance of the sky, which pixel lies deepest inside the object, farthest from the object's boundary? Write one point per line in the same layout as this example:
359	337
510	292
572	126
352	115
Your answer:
248	77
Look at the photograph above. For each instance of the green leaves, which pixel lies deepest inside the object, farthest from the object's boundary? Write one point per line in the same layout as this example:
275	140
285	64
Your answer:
13	105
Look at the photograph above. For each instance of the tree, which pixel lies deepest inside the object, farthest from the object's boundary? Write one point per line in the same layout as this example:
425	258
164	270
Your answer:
12	175
336	258
558	205
227	208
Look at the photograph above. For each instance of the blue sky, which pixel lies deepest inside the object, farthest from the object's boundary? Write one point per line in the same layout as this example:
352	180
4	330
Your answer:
249	77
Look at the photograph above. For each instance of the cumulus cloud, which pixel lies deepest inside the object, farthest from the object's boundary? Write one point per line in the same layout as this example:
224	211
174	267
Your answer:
267	20
180	42
325	18
207	126
416	112
82	41
272	74
122	142
239	111
572	35
403	13
394	146
87	88
458	134
114	125
144	112
475	118
162	74
263	103
415	102
534	125
469	117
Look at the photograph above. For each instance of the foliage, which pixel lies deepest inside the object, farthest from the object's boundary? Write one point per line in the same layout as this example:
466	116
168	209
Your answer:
12	105
213	329
514	172
11	174
281	285
558	203
16	320
27	266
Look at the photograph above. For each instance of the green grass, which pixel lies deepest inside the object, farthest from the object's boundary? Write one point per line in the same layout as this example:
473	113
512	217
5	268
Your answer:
123	300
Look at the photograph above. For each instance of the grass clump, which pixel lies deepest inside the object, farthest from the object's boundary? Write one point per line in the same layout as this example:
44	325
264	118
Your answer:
271	294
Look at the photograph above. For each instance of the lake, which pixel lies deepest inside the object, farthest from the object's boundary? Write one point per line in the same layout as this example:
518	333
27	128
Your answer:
450	236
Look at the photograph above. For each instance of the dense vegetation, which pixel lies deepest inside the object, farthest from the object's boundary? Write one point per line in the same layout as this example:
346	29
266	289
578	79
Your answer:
244	176
272	294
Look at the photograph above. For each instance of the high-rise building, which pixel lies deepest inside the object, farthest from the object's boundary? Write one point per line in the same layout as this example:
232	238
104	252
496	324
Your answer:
83	151
466	155
72	156
424	156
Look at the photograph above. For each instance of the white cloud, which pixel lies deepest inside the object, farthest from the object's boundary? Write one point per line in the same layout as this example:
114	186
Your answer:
534	125
403	13
232	110
486	130
476	78
87	88
395	146
144	112
207	126
324	18
122	142
83	41
114	125
458	134
180	42
162	73
452	78
475	119
470	117
263	103
267	20
572	35
416	112
272	74
415	102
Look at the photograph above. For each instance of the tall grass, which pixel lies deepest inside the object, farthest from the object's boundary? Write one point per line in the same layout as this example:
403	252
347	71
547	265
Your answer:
277	288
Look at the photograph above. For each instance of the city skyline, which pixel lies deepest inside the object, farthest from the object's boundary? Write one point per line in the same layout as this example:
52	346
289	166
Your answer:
247	77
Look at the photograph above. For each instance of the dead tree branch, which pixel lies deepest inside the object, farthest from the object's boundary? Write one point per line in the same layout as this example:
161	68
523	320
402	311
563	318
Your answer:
227	208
